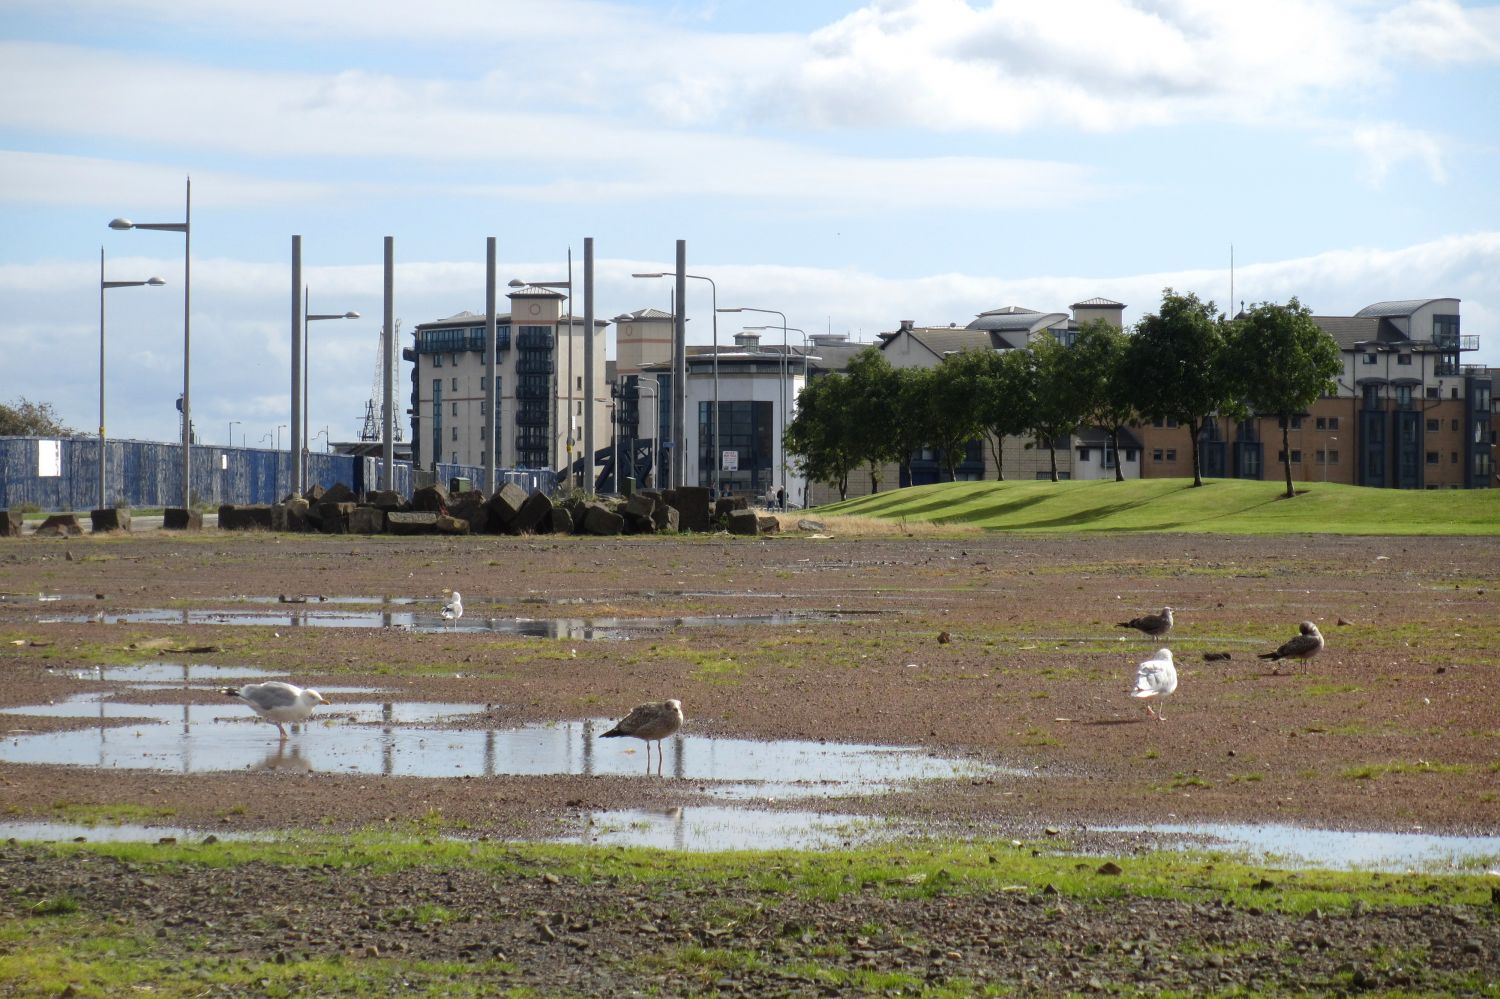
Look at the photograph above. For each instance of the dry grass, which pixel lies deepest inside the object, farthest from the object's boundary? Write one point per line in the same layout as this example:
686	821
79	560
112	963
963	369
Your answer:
875	527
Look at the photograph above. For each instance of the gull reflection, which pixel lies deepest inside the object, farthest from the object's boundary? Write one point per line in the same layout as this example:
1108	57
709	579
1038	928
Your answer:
286	756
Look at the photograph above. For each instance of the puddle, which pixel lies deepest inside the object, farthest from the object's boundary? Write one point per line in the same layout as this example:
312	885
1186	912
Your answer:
410	739
63	832
578	629
703	829
173	673
1299	846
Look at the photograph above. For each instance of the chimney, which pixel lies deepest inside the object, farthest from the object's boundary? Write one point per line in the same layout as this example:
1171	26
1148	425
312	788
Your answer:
747	339
906	325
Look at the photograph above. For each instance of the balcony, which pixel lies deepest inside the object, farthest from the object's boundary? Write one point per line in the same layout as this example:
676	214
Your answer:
534	338
534	365
1455	341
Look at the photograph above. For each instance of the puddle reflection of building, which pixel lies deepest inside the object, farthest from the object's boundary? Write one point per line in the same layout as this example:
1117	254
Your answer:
387	739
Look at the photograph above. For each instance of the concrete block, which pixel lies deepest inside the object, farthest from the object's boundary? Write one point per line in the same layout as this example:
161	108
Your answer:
744	522
600	519
366	520
60	525
175	518
110	519
536	509
449	524
249	517
10	523
411	522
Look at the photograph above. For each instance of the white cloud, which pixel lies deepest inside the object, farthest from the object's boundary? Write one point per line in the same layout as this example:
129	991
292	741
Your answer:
1440	31
1386	146
51	179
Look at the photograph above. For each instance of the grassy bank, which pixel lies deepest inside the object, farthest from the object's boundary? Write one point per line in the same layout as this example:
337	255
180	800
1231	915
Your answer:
1229	506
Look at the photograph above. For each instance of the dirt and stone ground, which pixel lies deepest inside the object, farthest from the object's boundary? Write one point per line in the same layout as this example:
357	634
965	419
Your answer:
998	648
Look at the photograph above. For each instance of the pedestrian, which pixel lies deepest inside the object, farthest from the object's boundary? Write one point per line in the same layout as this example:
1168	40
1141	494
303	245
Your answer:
780	498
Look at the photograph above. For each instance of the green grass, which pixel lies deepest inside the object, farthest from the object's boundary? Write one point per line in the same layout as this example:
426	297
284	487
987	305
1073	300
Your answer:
1230	506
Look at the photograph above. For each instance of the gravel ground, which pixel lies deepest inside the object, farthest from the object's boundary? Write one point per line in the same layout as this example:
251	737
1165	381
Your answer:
998	649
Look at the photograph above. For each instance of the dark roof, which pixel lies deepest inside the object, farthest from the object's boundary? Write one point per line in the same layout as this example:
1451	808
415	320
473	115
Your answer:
464	319
1016	320
1350	331
644	314
1099	437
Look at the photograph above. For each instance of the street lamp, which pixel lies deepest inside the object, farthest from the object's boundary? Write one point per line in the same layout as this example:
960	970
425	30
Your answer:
568	286
186	228
714	291
308	317
232	425
785	349
103	286
327	444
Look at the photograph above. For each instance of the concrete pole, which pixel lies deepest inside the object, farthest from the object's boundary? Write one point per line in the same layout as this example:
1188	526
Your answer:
296	364
588	363
491	397
101	380
389	388
187	341
679	372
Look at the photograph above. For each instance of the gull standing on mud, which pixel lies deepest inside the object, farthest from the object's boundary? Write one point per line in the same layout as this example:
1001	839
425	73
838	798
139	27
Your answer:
650	723
1304	646
1153	625
453	607
277	702
1156	677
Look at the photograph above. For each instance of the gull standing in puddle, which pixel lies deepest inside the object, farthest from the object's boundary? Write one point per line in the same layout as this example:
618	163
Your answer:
277	702
453	607
650	723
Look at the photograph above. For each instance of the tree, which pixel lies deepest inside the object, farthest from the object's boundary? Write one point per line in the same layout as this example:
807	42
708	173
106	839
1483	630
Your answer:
1097	370
1282	363
872	410
31	419
1007	400
1059	408
959	386
818	435
911	426
1175	366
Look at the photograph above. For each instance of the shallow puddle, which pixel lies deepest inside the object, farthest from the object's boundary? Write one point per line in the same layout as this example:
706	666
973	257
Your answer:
1299	846
578	629
363	736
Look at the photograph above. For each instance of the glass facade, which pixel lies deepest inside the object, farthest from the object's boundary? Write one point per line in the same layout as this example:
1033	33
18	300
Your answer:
747	431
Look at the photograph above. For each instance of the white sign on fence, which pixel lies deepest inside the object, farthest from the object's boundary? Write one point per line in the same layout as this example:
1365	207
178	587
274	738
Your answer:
48	459
730	461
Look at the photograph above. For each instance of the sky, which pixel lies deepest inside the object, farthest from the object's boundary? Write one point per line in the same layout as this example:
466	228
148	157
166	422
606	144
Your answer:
849	164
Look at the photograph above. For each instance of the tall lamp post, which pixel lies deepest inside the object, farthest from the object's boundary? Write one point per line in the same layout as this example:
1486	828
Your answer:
568	287
655	388
104	285
186	228
785	349
714	292
232	425
308	317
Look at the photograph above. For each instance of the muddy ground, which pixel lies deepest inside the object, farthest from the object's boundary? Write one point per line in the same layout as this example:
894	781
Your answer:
1003	649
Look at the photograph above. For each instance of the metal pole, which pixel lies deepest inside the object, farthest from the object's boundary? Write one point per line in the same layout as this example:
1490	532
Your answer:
390	363
101	378
187	341
297	331
679	371
718	448
306	363
491	397
570	440
588	361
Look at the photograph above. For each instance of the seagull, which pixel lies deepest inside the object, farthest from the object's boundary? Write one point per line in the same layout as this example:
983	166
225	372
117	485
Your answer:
1156	677
650	723
1154	625
1304	646
278	702
453	608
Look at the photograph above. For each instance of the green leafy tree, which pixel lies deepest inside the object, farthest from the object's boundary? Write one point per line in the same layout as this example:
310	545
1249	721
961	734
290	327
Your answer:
1059	407
24	418
873	410
1282	362
959	387
912	426
1176	366
1097	370
818	436
1007	400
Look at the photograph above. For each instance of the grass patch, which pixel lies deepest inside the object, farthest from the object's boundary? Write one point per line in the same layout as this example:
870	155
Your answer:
1227	506
1375	771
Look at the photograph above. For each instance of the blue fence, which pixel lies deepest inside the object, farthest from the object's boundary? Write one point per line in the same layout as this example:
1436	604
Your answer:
63	474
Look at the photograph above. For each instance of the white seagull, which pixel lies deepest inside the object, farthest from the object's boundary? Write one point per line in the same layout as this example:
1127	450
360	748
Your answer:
1156	677
277	702
1304	646
650	723
453	608
1153	625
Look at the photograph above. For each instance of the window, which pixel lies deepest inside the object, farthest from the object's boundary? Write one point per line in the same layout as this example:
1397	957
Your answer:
1296	422
1432	426
1403	395
1296	456
1453	457
483	383
1109	458
454	458
483	432
1333	457
1322	423
455	433
1433	392
1333	423
580	383
1367	359
1403	359
437	360
455	408
455	383
1171	454
1083	454
1432	457
1455	425
453	359
1156	454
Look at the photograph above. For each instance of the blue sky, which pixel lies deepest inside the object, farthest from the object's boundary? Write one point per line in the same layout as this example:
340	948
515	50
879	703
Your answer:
851	164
